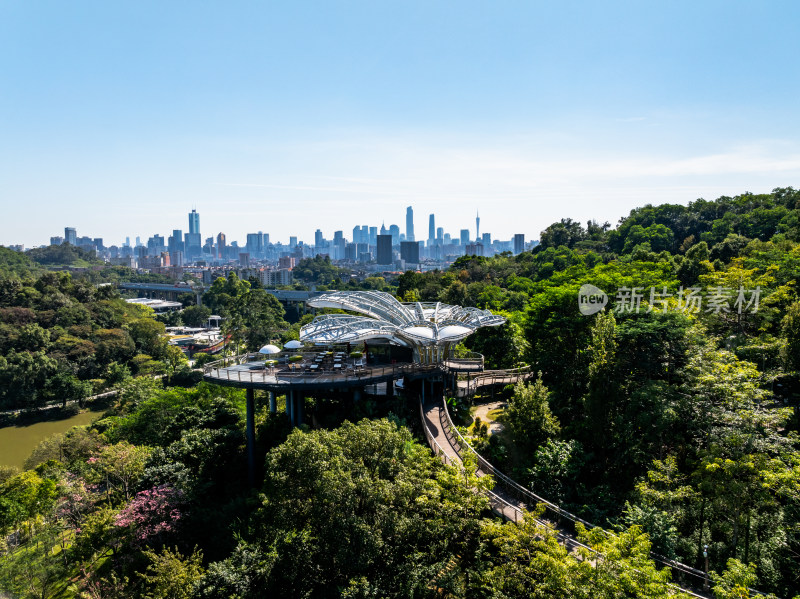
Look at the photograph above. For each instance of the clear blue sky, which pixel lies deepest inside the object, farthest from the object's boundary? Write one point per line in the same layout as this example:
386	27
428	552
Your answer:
117	118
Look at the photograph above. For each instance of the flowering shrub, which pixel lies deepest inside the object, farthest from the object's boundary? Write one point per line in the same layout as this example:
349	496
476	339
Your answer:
151	513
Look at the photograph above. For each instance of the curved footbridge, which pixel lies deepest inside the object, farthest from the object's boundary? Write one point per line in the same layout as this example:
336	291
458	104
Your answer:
510	500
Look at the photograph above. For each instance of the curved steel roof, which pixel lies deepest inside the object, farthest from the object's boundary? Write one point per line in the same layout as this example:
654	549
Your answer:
409	324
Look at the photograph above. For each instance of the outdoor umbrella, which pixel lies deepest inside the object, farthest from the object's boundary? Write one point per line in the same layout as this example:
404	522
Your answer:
293	344
269	349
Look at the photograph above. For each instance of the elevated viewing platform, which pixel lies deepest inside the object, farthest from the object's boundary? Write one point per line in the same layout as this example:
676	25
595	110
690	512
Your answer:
315	370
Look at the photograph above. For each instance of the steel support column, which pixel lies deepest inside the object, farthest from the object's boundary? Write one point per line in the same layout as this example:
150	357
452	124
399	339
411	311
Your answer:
251	437
299	408
273	405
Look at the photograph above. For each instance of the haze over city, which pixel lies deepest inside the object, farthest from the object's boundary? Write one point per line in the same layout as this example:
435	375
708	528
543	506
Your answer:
118	119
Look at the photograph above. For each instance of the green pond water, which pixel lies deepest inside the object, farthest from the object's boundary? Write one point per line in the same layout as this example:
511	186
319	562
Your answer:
17	442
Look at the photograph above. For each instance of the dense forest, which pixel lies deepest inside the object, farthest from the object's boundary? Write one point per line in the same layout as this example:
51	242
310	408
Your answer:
669	418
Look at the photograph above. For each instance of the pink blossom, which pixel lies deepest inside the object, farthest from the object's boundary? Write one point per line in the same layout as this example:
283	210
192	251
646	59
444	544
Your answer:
151	513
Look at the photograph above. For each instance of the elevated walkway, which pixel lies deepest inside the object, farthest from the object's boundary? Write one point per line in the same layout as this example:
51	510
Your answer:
510	500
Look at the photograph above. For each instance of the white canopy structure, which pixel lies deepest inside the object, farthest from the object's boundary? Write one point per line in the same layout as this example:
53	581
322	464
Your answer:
430	329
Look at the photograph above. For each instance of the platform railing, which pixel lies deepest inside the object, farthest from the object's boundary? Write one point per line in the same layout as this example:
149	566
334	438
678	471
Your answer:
221	370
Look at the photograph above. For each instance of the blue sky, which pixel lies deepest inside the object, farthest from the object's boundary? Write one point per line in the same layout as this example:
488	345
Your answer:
119	117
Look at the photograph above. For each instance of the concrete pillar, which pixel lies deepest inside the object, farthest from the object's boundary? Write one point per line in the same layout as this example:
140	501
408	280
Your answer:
357	394
390	388
273	405
251	437
290	407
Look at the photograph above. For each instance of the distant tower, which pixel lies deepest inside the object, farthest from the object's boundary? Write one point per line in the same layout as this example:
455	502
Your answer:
194	222
70	236
477	226
431	230
409	224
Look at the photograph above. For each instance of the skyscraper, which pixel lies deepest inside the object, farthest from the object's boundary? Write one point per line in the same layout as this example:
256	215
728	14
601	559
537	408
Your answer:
464	236
431	230
194	222
384	249
175	242
519	243
477	226
70	236
221	245
409	224
394	231
409	251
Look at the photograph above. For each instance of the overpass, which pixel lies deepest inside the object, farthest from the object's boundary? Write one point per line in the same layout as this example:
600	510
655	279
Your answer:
173	291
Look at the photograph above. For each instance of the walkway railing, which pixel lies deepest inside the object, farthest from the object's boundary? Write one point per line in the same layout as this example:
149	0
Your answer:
498	505
562	518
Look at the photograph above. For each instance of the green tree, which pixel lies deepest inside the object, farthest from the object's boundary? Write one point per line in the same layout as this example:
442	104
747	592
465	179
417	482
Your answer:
195	316
351	508
119	466
170	575
256	318
529	417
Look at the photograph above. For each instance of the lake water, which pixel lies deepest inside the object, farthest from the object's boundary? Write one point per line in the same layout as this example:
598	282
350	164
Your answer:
17	442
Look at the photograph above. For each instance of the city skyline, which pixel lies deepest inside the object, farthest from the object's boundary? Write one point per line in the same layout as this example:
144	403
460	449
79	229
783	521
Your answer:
194	234
530	112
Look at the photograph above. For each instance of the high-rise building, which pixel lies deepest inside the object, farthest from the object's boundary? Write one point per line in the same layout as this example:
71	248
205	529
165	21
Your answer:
477	226
193	245
431	230
409	224
409	251
384	249
221	245
464	236
319	240
155	245
394	231
255	244
175	242
373	235
70	236
194	222
486	239
519	243
293	241
56	240
440	235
